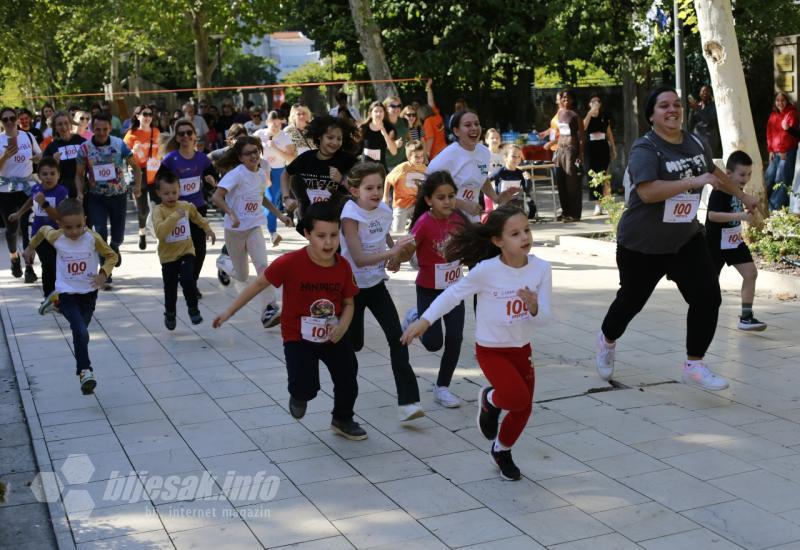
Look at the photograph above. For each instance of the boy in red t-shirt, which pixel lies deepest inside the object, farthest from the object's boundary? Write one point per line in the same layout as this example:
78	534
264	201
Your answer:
318	290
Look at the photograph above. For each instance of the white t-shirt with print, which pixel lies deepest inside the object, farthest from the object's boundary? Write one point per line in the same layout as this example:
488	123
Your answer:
245	190
373	226
470	170
281	140
20	165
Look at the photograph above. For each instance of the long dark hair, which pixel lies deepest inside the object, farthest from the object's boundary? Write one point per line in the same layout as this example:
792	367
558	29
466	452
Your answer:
474	243
135	118
230	159
319	126
432	182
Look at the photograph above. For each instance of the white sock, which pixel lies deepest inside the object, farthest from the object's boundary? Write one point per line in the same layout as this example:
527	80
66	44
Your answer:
497	447
489	398
142	231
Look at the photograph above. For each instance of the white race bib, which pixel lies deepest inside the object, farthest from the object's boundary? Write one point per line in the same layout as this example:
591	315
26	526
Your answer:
414	180
510	309
318	195
38	210
248	206
189	186
597	136
68	152
180	232
681	208
563	129
374	154
468	191
506	184
446	274
104	172
731	237
317	329
153	164
78	266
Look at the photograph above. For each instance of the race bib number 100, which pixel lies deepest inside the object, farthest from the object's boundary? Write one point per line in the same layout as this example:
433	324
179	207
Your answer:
446	274
681	208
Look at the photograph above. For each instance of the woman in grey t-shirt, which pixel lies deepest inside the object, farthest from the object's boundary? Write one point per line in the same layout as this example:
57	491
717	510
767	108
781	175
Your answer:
659	235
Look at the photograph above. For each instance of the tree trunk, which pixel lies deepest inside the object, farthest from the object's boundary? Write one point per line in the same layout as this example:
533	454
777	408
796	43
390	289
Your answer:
204	65
371	47
721	51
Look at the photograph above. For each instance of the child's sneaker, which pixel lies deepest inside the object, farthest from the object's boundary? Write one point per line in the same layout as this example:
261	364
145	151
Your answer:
297	408
49	304
349	429
16	267
224	269
605	358
271	316
597	210
88	383
109	284
30	274
276	239
411	317
751	323
142	242
169	321
409	412
503	460
698	374
488	414
442	395
194	315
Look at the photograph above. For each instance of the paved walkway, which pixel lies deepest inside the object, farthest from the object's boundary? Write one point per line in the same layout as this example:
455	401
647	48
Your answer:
652	465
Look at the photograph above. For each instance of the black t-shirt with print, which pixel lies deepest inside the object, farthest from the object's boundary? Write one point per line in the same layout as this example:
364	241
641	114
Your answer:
308	171
66	165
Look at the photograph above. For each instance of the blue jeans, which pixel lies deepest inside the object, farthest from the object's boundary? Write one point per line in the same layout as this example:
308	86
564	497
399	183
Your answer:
78	310
104	208
780	170
273	193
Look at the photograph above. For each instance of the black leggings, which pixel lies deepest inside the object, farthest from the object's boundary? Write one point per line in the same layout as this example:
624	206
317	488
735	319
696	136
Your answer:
692	270
199	241
180	270
47	257
433	339
380	303
143	204
10	203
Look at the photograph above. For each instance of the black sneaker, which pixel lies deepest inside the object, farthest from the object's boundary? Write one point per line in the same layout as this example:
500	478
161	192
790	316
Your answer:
223	277
16	267
349	429
142	242
297	408
271	316
503	460
30	274
488	414
199	294
747	323
194	315
109	284
115	248
169	321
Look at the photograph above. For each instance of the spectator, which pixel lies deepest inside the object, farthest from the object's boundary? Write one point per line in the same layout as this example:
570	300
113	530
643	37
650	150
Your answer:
199	122
782	147
256	121
703	121
341	105
432	125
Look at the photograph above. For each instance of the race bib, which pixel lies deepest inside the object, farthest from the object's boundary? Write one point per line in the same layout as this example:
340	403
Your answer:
180	232
317	329
318	195
446	274
153	164
731	237
597	136
563	129
509	308
681	208
189	186
104	172
414	180
38	210
68	152
374	154
249	207
506	184
468	192
79	266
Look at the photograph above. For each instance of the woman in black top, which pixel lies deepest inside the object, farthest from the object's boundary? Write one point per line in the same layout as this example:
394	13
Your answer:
600	146
377	134
64	148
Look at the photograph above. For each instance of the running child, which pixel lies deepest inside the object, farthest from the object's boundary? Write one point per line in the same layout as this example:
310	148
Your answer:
318	292
405	179
435	219
724	236
513	288
510	176
493	141
367	245
78	250
176	251
44	199
240	194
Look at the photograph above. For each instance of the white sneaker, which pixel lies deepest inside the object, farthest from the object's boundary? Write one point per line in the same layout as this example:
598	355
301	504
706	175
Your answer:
605	358
442	395
699	375
271	316
276	239
411	317
597	210
88	383
225	264
409	412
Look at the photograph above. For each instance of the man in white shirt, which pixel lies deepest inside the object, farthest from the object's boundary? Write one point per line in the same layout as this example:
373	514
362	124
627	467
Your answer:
341	100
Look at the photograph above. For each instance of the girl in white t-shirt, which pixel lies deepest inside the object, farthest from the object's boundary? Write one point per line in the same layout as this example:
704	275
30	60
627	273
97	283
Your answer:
367	245
277	145
240	194
513	288
493	140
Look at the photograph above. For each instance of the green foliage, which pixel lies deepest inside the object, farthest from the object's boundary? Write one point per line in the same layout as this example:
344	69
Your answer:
779	237
609	203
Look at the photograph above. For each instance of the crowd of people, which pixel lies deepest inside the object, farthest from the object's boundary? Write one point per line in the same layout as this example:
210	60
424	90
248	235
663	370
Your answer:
368	195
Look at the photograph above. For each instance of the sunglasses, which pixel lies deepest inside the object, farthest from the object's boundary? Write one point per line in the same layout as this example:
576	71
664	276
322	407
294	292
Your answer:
411	115
185	133
85	118
251	153
9	119
146	113
394	106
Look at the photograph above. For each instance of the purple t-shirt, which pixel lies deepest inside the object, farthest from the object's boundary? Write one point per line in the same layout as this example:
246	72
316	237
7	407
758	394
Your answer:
190	174
53	196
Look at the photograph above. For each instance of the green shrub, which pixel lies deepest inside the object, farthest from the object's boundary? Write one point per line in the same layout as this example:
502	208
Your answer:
609	203
780	236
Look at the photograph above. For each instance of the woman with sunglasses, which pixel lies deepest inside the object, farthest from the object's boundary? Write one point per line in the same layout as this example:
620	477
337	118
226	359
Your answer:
18	152
80	124
414	124
299	117
64	148
394	106
193	169
142	140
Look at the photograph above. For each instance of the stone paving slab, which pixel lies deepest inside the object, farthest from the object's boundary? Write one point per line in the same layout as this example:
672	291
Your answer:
654	465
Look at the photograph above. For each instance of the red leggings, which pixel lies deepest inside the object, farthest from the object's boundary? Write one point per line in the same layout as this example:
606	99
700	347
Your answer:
510	372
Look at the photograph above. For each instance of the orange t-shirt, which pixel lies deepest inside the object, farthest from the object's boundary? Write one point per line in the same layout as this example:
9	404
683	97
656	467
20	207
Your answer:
142	142
433	127
406	179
